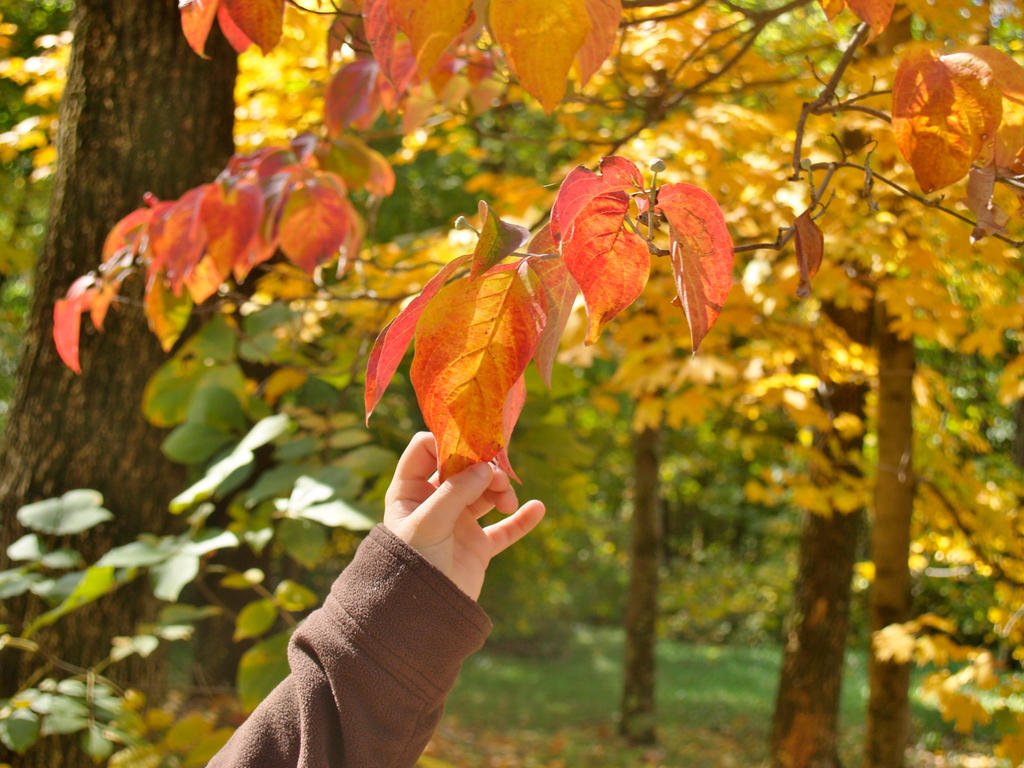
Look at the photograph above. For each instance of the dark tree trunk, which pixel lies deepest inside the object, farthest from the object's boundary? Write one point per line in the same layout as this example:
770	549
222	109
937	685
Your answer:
888	721
638	712
805	724
141	112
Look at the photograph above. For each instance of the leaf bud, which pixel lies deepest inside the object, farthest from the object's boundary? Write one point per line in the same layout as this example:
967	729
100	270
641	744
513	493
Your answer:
462	223
657	165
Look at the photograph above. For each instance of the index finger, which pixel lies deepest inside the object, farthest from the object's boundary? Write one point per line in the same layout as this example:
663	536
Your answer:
412	475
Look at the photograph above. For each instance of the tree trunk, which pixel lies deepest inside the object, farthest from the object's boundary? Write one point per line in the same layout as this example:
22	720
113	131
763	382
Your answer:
638	712
141	112
805	724
888	721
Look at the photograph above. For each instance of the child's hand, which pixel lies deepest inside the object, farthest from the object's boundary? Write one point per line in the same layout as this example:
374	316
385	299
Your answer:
440	521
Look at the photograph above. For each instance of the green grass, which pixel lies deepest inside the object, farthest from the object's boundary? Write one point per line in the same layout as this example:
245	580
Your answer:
714	708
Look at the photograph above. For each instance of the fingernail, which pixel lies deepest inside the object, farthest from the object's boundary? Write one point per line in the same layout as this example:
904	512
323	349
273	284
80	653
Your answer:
482	470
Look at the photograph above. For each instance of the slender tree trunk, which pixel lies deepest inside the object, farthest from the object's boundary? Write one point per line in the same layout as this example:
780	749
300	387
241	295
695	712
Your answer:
141	112
638	711
805	725
888	721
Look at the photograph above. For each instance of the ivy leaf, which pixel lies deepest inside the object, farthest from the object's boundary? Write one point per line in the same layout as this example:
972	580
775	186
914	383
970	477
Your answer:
196	21
541	39
498	240
810	244
608	262
262	21
701	253
462	379
604	29
391	344
944	110
74	512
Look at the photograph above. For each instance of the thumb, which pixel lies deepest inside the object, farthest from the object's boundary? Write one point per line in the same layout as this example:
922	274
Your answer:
453	496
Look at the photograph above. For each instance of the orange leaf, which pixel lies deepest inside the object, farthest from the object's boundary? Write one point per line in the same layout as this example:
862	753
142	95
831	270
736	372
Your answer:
124	236
232	219
876	13
393	341
991	218
541	39
1009	77
543	241
582	185
509	416
609	263
315	221
473	342
560	292
67	319
196	21
810	244
177	237
359	166
431	27
832	8
944	110
262	21
604	29
702	254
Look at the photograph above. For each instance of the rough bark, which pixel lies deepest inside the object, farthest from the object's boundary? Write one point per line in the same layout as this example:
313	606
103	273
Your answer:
141	112
806	719
805	725
888	720
638	709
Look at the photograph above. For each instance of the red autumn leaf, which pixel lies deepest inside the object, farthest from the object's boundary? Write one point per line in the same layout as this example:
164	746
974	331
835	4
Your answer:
196	21
105	294
262	21
177	237
234	34
540	38
124	236
352	97
701	253
473	342
810	245
67	319
166	312
315	220
509	417
944	110
498	240
391	344
431	27
543	241
232	219
560	290
397	60
582	185
604	29
358	165
609	262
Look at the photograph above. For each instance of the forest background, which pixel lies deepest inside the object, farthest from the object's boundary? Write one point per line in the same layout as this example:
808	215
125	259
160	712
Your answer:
836	470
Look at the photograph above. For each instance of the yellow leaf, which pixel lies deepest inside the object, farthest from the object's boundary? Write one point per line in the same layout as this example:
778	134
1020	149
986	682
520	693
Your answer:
281	381
541	39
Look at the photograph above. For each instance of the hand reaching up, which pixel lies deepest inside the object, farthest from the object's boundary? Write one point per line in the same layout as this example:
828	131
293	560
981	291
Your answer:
440	520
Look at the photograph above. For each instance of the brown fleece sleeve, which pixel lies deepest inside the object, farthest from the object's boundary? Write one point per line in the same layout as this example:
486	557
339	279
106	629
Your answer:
370	669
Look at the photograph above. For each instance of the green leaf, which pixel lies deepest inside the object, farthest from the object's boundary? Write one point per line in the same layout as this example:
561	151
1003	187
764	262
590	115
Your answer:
274	482
261	668
61	558
293	596
97	582
28	547
20	730
303	540
216	474
204	751
217	407
95	745
58	589
123	647
370	461
74	512
169	391
138	554
255	619
17	581
171	576
194	443
210	541
265	430
244	580
338	514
